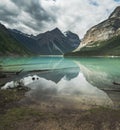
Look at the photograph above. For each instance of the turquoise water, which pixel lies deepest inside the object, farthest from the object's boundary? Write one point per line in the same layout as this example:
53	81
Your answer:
101	71
92	68
111	65
35	63
82	73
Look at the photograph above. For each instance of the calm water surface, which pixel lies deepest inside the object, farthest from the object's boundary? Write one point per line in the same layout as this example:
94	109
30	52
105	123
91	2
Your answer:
74	80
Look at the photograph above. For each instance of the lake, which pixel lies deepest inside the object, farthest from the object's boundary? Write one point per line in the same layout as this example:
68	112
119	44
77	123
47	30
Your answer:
69	81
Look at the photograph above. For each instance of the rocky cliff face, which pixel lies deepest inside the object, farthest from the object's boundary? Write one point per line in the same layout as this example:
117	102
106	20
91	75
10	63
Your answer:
103	31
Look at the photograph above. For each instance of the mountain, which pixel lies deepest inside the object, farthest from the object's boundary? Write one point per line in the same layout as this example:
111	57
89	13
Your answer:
102	39
26	40
73	38
52	42
9	45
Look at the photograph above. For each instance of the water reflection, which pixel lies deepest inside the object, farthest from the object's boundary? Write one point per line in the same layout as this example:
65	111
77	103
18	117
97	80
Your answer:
104	81
101	75
78	89
70	84
88	81
35	63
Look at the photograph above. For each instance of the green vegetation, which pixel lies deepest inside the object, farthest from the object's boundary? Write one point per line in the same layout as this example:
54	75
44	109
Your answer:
100	48
9	46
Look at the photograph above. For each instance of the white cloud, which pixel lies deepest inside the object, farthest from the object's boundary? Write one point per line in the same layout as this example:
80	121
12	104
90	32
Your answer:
75	15
79	16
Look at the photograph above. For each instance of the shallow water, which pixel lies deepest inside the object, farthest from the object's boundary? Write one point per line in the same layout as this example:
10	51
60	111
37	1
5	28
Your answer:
74	80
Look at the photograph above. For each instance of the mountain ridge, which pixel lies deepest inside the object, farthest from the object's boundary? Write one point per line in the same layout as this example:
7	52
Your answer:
100	37
48	43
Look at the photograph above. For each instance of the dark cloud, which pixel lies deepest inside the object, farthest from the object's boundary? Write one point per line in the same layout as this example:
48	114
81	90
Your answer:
37	16
34	8
12	12
37	13
8	15
38	26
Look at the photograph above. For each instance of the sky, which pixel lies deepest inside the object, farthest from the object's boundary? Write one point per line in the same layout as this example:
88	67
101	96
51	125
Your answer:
38	16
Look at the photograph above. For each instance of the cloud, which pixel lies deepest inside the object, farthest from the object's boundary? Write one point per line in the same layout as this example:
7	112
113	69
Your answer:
36	16
8	11
42	89
35	10
117	0
45	90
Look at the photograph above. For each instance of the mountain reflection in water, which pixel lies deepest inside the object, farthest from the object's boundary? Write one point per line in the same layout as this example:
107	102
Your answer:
74	80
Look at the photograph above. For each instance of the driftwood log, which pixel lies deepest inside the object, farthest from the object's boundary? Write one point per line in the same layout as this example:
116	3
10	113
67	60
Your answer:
115	83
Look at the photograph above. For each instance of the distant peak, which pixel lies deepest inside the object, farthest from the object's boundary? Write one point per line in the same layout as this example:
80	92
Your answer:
56	30
68	32
115	13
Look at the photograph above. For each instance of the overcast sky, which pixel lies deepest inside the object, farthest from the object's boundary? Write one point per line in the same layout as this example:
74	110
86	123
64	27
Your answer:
36	16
